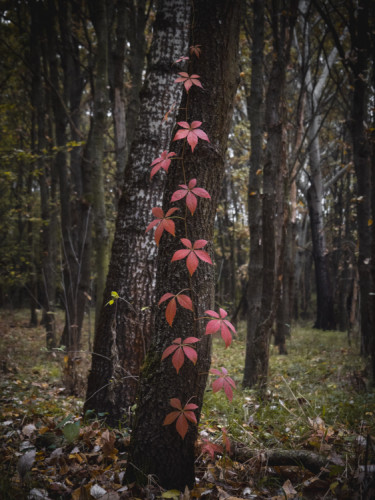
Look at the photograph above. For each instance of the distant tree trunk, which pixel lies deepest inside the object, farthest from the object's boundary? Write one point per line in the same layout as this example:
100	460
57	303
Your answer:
357	65
158	449
46	181
325	318
283	18
65	89
123	331
95	147
255	114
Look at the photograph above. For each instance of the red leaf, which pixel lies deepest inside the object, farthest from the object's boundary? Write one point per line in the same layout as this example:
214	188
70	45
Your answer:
190	353
170	311
191	132
180	254
178	359
183	414
203	256
211	448
168	351
191	202
162	162
199	244
190	416
188	80
180	350
223	382
163	222
182	425
166	296
171	417
185	301
192	263
212	326
195	49
176	403
215	324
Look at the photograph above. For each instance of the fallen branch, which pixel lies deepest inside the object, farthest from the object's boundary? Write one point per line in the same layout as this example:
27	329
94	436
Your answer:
314	462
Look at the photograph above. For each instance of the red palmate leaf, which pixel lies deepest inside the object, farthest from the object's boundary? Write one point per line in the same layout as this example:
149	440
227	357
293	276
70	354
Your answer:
162	162
223	382
195	49
182	58
163	222
180	349
190	191
219	323
191	132
170	311
193	254
210	448
188	80
182	416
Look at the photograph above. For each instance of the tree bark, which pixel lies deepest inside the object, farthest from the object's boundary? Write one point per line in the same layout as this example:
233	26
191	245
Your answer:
158	449
95	148
255	114
283	19
123	330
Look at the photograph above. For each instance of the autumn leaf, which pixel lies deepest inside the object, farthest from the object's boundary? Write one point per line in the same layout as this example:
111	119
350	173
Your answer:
182	415
162	222
188	80
191	132
180	350
162	162
219	323
210	448
193	254
223	382
191	192
182	58
170	311
195	49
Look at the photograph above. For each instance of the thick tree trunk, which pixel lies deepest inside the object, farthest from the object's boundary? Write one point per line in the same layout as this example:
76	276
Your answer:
361	159
255	114
158	449
123	331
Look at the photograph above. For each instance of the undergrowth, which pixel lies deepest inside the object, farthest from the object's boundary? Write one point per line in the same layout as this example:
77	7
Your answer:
318	400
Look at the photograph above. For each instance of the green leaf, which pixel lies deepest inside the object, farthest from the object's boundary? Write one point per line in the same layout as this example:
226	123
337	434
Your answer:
71	431
171	494
115	295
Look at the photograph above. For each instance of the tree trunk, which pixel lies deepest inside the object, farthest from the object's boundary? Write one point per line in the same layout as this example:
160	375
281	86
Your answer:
283	20
46	181
361	159
95	148
158	449
255	114
123	331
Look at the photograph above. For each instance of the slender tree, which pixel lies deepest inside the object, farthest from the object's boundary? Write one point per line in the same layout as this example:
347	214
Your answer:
255	111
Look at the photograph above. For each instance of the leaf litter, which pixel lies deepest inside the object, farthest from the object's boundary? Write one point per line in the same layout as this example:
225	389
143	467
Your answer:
258	447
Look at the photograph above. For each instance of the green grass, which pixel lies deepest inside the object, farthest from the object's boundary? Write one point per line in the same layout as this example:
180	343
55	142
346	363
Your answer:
316	390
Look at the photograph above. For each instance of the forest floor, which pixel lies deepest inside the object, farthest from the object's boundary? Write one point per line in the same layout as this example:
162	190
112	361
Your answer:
311	435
